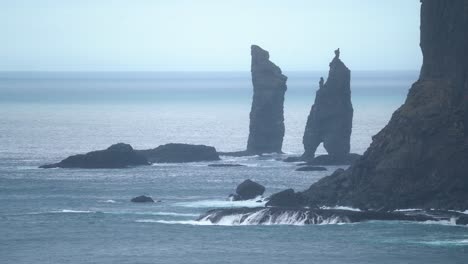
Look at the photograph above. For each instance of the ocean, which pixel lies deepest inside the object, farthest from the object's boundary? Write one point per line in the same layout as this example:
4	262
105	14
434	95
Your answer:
85	216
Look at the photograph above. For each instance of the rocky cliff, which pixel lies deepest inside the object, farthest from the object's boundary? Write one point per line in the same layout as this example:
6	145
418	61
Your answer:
420	159
266	116
331	117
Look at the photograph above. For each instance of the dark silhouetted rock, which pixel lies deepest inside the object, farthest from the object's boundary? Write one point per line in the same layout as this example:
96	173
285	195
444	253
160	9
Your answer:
175	153
247	190
286	198
226	165
311	168
116	156
419	160
266	116
292	159
142	199
331	117
329	160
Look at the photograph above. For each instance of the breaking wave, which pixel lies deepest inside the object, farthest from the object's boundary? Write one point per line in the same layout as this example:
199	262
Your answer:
265	217
261	217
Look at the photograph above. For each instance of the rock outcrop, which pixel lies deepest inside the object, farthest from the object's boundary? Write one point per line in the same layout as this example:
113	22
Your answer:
419	160
177	153
116	156
142	199
286	198
247	190
266	116
331	117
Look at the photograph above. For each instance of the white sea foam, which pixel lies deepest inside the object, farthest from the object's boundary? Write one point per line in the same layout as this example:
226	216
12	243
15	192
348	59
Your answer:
408	210
167	214
108	201
451	222
67	211
342	208
222	203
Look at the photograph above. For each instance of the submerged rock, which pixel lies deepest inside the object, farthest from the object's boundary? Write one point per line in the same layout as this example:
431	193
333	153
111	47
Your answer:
331	117
419	160
142	199
116	156
266	116
225	165
247	190
311	168
176	152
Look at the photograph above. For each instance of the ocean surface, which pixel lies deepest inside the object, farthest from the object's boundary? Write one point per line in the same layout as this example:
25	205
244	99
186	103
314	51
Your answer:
85	216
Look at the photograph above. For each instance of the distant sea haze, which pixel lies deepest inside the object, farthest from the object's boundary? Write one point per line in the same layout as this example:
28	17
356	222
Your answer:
192	107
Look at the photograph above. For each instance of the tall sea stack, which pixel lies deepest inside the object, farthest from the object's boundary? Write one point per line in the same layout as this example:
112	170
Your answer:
331	117
420	159
266	116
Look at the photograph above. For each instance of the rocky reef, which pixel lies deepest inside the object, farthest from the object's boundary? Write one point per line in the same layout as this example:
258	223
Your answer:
177	152
116	156
266	129
304	216
331	116
419	160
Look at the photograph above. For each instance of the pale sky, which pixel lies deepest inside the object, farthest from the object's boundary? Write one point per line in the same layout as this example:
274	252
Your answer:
206	35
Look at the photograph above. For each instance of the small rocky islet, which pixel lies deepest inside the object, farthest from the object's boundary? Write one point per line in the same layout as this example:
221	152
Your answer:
123	155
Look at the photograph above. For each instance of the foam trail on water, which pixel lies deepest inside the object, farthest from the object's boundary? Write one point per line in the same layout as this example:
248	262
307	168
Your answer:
222	204
342	208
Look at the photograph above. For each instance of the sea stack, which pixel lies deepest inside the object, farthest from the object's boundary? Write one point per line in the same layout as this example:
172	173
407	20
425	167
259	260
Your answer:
419	160
266	116
331	117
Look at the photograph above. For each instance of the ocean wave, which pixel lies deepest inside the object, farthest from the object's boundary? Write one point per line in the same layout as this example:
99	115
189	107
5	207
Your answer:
266	217
451	222
222	204
68	211
454	242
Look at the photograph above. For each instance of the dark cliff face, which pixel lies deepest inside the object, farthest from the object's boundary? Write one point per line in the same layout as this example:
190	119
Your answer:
266	116
420	159
331	116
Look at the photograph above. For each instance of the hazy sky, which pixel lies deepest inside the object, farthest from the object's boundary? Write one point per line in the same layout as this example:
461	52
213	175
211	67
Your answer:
173	35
